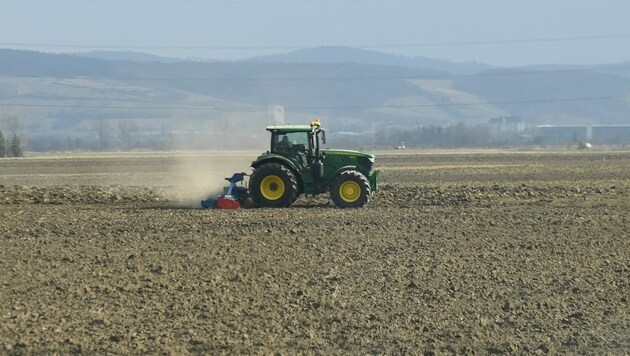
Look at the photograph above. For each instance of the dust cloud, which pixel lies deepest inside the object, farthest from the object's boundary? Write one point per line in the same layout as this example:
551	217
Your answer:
198	178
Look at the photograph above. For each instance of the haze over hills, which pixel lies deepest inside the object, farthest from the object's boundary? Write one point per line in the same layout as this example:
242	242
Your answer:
351	90
353	55
127	56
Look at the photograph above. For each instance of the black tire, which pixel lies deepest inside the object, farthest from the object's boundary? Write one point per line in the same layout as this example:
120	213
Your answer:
350	189
248	203
273	185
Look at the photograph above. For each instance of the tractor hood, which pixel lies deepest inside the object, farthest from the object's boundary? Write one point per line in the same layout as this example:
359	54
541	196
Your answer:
336	152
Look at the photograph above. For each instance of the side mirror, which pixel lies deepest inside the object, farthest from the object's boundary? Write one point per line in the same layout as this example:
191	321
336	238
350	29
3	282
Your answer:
323	137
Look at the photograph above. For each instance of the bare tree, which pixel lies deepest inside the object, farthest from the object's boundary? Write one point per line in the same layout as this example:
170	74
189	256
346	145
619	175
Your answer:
167	138
15	148
14	124
126	129
3	146
103	132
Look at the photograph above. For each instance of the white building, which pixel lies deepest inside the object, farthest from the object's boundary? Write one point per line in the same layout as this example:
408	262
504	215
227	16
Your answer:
600	134
503	125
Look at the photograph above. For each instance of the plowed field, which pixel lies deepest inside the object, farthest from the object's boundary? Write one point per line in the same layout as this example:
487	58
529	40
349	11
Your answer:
457	253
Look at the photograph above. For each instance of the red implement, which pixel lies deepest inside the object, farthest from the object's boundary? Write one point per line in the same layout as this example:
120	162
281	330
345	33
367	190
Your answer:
227	203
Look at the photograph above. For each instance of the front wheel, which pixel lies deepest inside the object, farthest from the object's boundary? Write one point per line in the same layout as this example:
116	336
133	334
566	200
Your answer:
350	189
273	185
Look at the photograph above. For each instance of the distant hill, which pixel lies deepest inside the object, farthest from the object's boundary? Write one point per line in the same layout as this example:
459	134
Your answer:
351	90
29	63
556	95
353	55
128	56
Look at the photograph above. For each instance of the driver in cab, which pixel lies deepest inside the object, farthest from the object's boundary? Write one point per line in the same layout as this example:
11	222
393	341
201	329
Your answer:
291	149
284	143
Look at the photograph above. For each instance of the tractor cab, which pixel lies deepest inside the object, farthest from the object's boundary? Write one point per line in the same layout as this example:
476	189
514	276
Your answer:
299	143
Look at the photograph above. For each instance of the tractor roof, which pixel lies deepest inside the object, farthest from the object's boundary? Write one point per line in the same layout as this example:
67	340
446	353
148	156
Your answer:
292	128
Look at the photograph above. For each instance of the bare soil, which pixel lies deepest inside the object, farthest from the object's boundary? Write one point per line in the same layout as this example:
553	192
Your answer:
457	253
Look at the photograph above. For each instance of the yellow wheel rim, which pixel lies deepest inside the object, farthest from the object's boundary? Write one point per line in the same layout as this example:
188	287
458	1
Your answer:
272	187
350	191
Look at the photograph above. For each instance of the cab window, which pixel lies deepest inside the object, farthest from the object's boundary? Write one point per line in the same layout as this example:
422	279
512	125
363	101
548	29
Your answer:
283	142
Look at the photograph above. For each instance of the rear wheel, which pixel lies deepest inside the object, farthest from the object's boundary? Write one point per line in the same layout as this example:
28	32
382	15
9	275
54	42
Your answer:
350	189
273	185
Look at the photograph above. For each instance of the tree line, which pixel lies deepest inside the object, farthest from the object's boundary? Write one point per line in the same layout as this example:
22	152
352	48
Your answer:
10	147
459	135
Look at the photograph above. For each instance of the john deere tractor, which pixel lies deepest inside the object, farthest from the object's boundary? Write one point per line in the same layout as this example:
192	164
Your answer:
297	165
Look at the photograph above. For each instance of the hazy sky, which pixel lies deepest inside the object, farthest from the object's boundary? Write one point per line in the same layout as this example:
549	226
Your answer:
500	32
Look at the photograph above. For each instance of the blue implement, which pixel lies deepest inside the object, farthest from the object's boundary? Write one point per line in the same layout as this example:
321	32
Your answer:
232	191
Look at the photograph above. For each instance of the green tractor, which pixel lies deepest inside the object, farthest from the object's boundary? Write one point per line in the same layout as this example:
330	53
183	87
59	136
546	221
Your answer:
297	165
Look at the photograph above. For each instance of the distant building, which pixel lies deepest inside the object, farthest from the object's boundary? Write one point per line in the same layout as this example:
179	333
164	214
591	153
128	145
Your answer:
600	134
611	135
506	125
552	134
276	113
